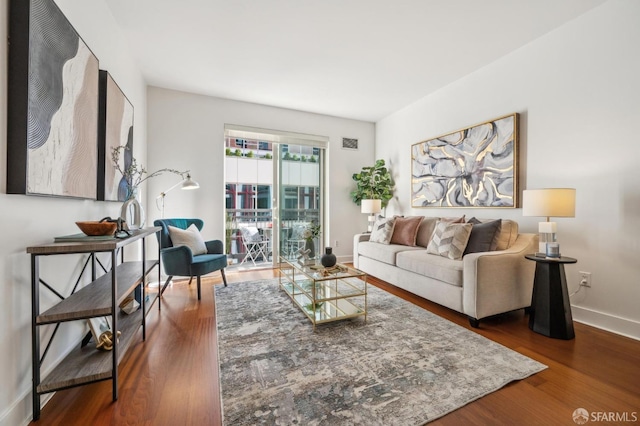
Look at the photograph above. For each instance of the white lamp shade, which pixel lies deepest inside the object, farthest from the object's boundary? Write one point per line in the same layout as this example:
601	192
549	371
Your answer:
370	206
549	202
190	183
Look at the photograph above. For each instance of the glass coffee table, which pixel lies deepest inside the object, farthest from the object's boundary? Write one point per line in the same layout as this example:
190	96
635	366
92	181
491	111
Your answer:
324	294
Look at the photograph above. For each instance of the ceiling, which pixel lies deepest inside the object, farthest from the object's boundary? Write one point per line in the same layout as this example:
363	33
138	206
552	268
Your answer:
360	59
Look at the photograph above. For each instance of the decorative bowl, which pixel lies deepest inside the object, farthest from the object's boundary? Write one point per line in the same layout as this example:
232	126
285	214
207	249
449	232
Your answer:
95	228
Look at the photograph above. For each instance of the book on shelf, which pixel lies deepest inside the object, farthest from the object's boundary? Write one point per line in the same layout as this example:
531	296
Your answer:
82	238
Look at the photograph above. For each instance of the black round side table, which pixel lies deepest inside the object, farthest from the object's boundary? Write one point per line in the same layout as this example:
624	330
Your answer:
550	313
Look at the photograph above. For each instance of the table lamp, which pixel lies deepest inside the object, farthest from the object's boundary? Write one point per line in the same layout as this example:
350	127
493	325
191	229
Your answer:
371	207
549	202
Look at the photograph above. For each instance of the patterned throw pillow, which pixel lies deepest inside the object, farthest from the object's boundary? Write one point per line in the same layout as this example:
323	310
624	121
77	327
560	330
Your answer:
382	230
449	239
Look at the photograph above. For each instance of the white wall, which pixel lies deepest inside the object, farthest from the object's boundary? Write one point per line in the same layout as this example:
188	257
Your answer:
31	220
577	90
186	131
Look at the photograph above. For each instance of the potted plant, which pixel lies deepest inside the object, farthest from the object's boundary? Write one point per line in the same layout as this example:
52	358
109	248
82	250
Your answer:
373	183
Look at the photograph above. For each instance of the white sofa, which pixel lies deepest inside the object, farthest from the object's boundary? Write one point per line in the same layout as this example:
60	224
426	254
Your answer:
479	285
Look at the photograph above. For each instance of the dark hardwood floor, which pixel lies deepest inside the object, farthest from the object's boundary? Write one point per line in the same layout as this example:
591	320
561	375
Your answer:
172	378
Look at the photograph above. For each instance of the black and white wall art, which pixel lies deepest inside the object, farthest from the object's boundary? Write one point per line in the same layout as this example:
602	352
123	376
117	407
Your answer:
472	167
53	105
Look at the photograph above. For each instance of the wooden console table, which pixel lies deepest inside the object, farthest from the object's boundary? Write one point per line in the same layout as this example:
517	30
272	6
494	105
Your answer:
100	298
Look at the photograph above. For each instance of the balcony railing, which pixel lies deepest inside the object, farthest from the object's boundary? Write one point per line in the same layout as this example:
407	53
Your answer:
263	220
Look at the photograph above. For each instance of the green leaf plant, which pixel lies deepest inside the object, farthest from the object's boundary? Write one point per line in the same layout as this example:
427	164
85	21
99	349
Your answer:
373	182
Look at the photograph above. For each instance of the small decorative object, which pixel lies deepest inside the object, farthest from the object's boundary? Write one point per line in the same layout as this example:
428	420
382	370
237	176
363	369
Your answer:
553	250
303	256
105	341
132	177
95	228
328	258
129	305
309	234
101	332
133	212
121	231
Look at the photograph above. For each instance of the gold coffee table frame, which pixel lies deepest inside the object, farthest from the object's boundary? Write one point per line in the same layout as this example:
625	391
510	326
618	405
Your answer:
324	294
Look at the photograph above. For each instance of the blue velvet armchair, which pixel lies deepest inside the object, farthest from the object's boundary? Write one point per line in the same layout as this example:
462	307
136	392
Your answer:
180	261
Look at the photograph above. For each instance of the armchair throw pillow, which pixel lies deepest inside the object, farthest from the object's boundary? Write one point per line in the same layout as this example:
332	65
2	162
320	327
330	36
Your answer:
189	237
449	239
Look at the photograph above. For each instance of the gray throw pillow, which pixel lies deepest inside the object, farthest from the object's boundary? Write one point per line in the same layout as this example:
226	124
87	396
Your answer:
482	235
189	237
382	230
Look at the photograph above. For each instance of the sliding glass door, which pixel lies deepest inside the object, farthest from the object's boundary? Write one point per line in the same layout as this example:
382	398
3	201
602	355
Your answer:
274	197
300	199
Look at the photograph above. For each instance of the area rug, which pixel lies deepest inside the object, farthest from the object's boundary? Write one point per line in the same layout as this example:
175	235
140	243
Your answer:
403	366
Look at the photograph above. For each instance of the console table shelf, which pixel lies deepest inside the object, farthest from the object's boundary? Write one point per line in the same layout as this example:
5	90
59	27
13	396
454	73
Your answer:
94	300
100	298
86	364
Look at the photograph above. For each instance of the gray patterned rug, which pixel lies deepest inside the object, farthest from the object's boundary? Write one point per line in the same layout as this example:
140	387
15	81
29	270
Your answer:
404	366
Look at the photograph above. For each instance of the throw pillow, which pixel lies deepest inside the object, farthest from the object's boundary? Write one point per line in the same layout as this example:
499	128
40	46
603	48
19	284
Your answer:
405	230
189	237
482	235
449	239
382	230
453	219
251	234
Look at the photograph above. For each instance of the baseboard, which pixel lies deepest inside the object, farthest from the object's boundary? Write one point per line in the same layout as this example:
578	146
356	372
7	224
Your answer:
21	411
344	259
623	326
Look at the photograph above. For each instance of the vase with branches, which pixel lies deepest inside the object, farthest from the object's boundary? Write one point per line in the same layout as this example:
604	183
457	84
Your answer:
310	233
135	174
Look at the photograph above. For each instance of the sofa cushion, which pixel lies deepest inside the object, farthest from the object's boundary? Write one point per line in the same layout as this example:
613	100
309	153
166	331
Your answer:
382	230
449	239
428	224
482	235
507	235
425	230
431	265
383	252
406	230
453	219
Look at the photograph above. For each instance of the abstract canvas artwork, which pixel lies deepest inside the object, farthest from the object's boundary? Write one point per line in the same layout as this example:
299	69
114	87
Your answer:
53	105
115	129
473	167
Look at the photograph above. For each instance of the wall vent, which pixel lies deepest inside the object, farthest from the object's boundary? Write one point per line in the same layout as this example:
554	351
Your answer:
349	143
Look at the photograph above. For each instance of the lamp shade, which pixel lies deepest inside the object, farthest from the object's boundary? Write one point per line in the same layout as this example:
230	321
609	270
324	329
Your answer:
189	183
549	202
370	206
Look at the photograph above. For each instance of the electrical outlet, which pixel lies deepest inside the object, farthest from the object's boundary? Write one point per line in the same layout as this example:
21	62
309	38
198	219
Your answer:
585	278
337	243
